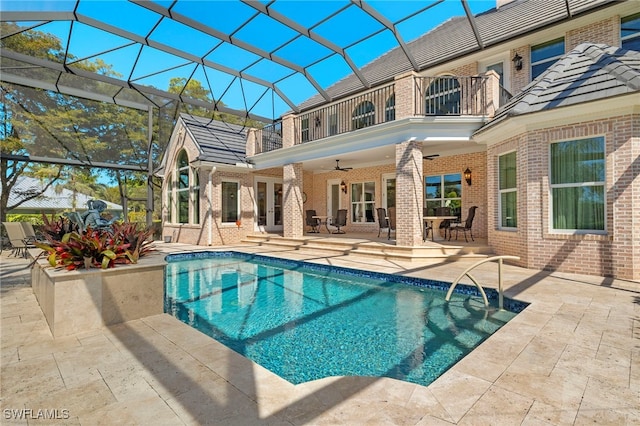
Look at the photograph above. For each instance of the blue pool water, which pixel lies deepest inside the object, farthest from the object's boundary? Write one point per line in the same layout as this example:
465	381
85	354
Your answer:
304	321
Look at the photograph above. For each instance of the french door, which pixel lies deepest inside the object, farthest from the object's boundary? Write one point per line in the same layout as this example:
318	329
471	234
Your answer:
268	204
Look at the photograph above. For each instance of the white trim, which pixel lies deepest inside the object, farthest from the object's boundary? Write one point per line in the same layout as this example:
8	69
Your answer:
441	128
601	109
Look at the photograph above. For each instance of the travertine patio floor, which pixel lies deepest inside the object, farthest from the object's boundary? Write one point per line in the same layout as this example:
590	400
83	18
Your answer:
572	357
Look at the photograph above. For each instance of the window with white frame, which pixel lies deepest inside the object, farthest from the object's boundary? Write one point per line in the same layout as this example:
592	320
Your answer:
363	115
182	188
230	211
630	32
363	201
195	197
507	188
577	184
544	55
443	191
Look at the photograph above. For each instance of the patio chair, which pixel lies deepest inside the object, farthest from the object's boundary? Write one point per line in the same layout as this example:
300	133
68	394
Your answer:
466	226
427	224
30	233
383	222
445	224
311	221
392	221
339	221
17	238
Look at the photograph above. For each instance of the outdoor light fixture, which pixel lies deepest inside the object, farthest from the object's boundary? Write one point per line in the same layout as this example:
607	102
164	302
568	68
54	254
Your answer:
517	62
318	122
467	176
343	187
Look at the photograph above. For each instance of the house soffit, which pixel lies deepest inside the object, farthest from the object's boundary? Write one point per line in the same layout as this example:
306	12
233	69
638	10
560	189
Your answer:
378	142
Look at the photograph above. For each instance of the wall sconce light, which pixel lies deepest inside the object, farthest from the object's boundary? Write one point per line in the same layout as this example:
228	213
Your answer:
467	176
343	187
317	121
517	62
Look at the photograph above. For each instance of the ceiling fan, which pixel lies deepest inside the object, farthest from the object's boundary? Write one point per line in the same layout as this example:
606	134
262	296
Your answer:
342	169
431	156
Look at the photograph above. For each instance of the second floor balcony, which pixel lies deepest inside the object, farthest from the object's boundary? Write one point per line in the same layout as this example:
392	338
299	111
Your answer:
427	96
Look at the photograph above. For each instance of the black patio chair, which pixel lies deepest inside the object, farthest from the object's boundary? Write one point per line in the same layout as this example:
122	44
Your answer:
445	224
392	221
466	226
339	221
311	221
383	222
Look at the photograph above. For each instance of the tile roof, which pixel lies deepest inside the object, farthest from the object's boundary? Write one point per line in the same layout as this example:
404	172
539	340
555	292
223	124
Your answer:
455	38
218	142
587	73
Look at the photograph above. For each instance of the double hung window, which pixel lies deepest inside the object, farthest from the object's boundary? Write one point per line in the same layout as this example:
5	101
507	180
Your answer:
184	190
508	201
544	55
230	202
443	191
630	32
577	181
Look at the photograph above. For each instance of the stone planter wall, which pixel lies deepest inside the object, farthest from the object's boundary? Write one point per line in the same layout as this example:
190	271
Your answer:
84	300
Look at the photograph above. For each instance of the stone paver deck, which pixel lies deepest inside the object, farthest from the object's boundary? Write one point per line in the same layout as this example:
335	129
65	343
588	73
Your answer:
572	357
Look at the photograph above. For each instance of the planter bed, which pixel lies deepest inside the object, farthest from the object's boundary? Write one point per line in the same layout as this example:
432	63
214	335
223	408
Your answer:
83	300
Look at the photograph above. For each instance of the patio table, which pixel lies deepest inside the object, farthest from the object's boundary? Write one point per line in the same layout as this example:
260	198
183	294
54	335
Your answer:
324	220
435	225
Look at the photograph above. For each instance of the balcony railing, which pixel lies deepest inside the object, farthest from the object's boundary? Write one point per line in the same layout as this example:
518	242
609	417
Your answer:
355	113
451	95
270	138
434	96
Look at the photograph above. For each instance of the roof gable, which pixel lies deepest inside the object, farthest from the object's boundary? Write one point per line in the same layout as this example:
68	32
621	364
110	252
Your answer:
217	141
589	72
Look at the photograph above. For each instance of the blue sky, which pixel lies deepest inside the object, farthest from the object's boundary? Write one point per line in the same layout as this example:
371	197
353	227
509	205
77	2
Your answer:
338	22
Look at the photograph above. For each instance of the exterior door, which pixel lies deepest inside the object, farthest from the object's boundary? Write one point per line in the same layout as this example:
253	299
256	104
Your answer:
268	205
333	197
388	190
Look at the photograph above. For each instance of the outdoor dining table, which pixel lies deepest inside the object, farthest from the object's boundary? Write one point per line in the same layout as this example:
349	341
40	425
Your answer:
324	220
435	225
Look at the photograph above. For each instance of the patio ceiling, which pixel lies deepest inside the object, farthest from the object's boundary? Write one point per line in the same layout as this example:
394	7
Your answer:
265	57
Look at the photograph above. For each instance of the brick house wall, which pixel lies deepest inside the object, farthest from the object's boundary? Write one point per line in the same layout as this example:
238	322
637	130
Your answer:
612	254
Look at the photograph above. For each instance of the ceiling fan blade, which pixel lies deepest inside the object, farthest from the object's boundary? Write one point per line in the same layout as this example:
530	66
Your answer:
342	169
430	156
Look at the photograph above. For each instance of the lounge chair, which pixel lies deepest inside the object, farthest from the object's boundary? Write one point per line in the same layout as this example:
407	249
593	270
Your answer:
19	241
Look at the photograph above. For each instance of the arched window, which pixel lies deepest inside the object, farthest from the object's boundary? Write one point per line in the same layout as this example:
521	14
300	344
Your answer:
442	97
390	108
184	192
363	115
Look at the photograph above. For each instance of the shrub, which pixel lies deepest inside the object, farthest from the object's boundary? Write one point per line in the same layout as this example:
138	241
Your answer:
103	248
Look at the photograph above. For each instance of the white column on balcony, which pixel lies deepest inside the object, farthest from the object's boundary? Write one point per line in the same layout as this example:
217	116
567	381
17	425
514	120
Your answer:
409	193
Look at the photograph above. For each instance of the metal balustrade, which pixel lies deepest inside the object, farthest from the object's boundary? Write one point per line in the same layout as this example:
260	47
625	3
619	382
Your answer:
433	96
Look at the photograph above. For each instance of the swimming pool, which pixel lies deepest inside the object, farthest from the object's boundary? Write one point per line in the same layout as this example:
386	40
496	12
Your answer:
305	321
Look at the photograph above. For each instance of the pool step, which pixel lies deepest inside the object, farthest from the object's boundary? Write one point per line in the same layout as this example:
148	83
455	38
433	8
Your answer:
366	247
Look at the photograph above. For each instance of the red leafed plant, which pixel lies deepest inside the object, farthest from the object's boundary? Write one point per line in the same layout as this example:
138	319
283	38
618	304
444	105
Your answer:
104	248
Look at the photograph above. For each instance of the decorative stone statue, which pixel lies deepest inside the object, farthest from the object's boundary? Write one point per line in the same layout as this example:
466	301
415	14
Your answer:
92	217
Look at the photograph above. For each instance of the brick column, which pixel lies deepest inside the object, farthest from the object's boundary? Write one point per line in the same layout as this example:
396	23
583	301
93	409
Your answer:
409	193
293	219
251	145
288	131
405	91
